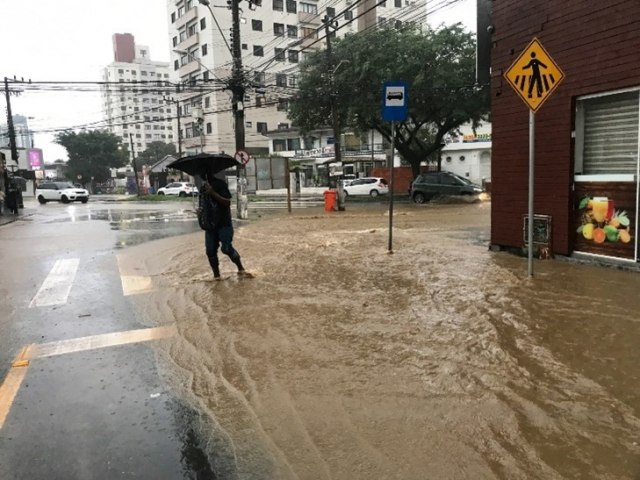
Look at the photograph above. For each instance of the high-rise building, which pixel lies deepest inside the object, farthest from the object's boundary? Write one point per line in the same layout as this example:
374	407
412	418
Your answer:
23	135
133	95
275	36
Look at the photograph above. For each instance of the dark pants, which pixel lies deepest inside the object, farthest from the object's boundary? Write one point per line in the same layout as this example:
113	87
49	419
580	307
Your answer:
220	237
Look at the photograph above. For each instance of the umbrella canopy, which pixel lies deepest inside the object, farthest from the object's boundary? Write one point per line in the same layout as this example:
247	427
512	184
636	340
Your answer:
204	162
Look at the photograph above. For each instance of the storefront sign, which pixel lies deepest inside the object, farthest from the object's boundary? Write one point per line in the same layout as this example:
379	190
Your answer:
34	157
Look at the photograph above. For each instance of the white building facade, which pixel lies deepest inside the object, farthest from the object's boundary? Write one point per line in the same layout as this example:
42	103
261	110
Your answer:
275	35
138	108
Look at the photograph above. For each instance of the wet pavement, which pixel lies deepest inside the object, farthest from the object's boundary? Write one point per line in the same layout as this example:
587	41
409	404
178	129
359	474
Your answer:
89	408
337	360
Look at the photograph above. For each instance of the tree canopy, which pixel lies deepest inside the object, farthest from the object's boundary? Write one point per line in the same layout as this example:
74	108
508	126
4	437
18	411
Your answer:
91	154
156	151
438	66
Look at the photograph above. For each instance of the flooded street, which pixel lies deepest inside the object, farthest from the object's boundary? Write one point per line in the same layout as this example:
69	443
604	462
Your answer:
441	361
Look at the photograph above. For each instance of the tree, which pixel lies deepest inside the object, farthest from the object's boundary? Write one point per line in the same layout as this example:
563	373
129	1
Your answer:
91	154
438	65
156	151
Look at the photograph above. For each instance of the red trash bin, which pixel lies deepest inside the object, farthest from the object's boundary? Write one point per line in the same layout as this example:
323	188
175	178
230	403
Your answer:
330	199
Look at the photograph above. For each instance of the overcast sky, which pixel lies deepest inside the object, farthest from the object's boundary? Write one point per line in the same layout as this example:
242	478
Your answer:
70	40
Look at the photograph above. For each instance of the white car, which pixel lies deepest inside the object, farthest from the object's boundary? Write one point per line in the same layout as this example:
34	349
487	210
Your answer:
182	189
372	186
63	192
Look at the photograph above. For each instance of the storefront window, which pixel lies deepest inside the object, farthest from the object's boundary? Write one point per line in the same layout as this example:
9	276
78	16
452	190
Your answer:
607	134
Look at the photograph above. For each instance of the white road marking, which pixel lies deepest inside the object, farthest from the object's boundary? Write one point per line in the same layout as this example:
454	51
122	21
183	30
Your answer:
56	287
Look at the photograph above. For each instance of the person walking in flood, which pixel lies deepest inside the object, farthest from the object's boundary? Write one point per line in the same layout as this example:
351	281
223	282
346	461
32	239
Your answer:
536	79
214	216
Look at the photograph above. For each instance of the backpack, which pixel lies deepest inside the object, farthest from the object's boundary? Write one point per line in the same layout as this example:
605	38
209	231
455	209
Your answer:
209	212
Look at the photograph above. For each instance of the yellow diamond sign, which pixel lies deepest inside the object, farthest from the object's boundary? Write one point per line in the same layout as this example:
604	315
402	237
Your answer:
534	75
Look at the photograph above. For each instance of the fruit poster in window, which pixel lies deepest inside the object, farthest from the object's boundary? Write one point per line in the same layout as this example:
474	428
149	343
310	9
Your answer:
605	224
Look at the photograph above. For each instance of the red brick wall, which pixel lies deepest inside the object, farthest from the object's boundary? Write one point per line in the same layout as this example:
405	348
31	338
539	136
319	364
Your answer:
597	45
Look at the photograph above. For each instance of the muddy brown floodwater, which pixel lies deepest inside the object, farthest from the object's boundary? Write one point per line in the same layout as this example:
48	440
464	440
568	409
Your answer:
441	361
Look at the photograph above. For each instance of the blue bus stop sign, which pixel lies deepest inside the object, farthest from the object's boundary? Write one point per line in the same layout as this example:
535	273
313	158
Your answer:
395	100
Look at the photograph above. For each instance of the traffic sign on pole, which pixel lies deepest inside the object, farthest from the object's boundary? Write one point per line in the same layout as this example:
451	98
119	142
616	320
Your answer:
534	75
242	157
395	101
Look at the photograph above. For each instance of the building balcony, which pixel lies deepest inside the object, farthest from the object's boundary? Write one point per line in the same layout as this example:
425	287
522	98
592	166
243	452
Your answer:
190	15
309	18
188	68
188	43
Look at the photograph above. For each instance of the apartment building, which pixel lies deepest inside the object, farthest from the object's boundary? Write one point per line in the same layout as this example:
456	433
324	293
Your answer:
275	36
138	106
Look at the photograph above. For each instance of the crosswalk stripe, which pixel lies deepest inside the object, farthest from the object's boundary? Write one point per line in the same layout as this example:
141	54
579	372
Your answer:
56	287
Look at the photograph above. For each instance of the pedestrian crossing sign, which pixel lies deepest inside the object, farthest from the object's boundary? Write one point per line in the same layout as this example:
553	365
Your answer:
534	75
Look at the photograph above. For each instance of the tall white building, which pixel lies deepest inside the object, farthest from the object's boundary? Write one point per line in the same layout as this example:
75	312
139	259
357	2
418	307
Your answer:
138	107
275	36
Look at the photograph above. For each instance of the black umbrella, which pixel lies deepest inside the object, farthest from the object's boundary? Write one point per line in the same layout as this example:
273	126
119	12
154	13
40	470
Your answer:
202	163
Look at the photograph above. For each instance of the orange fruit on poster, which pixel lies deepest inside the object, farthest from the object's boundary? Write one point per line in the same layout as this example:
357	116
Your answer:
599	236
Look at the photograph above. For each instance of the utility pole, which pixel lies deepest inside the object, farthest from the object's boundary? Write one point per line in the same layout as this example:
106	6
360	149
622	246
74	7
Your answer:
12	132
237	103
133	162
329	23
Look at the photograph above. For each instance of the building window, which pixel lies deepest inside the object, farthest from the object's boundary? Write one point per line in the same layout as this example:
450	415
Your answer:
278	5
261	127
259	101
283	105
292	31
309	32
331	12
245	46
278	29
192	29
258	51
279	54
207	102
175	41
209	128
248	124
204	49
607	129
259	78
256	25
173	17
293	81
281	80
348	15
205	76
203	24
293	56
309	8
292	6
398	3
279	145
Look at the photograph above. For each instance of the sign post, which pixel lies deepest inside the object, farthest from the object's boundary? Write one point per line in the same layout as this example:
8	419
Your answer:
534	76
394	108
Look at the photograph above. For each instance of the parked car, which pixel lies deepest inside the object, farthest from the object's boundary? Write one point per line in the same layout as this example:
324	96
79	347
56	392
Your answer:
182	189
433	184
63	192
372	186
